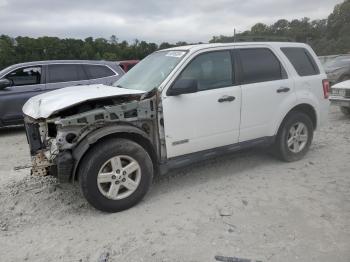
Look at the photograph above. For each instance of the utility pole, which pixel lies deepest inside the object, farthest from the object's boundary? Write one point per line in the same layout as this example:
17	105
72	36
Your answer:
234	34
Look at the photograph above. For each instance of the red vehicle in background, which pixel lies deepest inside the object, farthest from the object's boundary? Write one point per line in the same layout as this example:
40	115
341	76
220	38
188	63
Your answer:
126	65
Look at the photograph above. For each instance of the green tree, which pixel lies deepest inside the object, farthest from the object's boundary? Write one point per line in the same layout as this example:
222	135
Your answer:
259	29
326	36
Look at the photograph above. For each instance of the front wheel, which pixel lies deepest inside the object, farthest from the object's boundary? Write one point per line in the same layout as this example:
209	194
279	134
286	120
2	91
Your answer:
294	137
115	174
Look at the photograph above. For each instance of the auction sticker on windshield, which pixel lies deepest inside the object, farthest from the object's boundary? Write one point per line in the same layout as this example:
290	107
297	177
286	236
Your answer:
175	53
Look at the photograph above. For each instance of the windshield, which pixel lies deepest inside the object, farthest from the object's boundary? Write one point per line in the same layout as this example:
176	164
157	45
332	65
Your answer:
151	71
338	62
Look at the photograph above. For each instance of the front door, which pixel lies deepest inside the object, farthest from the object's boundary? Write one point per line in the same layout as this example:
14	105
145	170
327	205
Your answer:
210	117
26	82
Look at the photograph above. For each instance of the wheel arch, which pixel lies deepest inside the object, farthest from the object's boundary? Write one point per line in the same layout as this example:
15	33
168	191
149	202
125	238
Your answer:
306	108
121	131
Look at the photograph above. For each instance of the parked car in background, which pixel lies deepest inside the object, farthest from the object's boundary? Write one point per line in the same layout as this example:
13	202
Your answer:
21	81
126	65
340	96
325	59
176	107
338	69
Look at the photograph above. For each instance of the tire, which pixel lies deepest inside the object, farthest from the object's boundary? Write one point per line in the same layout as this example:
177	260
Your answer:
105	181
290	153
345	110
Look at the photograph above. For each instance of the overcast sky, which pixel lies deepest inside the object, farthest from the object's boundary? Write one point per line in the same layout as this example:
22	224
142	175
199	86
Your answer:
150	20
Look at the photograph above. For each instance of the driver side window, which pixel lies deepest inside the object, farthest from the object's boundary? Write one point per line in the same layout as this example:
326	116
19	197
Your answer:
211	70
25	76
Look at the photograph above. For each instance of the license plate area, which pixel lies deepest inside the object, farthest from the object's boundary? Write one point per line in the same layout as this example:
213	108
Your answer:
338	92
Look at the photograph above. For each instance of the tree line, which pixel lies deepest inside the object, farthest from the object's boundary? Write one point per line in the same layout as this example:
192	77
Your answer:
327	36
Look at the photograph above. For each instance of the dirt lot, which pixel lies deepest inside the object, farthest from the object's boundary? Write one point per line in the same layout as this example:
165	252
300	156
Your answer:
248	205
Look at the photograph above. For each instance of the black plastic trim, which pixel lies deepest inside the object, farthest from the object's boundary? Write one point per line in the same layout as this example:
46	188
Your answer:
65	164
188	159
33	137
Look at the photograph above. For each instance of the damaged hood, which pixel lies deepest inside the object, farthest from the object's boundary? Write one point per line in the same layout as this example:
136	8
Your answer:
44	105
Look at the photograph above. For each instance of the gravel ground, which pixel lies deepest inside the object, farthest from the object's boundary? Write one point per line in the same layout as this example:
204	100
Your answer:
247	205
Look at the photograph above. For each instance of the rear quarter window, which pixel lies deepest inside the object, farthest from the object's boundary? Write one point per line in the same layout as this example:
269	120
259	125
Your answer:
301	60
98	71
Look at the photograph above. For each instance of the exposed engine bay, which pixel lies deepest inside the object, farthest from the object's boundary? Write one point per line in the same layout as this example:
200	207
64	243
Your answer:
58	142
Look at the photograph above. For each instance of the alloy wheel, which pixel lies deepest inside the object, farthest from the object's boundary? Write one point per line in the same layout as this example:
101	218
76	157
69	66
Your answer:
119	177
297	137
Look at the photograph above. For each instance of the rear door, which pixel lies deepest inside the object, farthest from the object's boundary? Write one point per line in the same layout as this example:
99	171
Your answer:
64	75
27	82
266	92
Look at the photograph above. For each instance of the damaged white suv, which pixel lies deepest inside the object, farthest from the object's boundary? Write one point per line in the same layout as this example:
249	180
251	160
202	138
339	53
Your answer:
176	107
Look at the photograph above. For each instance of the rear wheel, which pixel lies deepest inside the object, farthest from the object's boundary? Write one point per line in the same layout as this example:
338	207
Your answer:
115	174
294	137
345	110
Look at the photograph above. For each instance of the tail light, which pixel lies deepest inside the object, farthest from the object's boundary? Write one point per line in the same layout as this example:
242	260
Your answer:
326	88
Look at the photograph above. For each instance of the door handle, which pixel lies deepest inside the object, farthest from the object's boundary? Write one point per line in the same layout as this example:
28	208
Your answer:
283	90
226	99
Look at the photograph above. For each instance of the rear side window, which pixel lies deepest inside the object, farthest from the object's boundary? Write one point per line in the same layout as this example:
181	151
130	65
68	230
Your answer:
98	71
25	76
65	73
260	65
302	60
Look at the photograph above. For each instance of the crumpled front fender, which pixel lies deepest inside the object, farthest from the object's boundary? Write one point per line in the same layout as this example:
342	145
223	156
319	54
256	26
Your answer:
80	150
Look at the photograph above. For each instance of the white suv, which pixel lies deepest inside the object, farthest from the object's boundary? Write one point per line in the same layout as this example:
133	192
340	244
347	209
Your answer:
176	107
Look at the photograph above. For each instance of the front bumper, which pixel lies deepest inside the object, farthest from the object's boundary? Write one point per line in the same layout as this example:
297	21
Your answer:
340	101
59	165
40	163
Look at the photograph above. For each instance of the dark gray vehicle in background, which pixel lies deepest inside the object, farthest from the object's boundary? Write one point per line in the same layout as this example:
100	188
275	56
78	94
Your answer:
338	69
21	81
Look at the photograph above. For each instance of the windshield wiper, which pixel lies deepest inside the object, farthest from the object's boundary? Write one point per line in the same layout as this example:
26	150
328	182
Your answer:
149	93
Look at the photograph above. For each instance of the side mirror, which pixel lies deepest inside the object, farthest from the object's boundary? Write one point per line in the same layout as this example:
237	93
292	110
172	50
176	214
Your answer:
183	86
5	83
